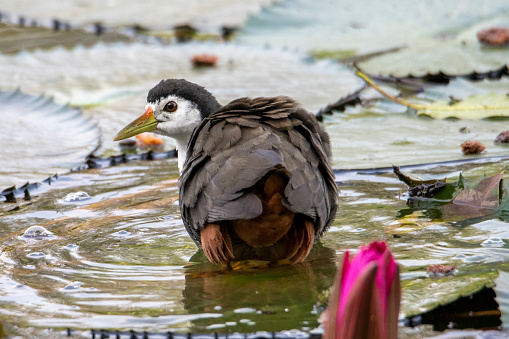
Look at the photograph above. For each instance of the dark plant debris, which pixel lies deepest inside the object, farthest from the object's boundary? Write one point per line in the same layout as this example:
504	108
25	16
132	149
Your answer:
453	100
149	141
502	138
440	78
410	181
470	147
426	190
340	105
439	269
184	32
204	60
460	200
97	333
227	32
420	188
495	36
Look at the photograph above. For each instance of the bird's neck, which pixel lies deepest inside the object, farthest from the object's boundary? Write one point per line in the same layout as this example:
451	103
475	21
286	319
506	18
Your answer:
182	150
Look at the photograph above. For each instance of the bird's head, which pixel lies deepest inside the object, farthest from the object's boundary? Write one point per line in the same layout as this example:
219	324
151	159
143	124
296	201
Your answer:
174	108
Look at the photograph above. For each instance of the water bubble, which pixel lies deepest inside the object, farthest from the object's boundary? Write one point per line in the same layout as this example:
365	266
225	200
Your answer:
244	321
230	323
77	196
493	242
287	310
251	323
36	255
218	308
29	267
71	247
37	232
121	233
73	286
215	326
244	310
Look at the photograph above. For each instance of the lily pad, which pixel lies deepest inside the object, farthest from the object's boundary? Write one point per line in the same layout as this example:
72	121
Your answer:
450	57
112	80
355	28
375	136
41	138
14	39
474	106
458	53
150	13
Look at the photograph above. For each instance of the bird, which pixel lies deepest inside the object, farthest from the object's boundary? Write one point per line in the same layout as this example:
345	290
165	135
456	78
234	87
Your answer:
256	181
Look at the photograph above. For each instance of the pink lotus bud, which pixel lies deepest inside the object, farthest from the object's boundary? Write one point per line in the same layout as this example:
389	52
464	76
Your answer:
364	301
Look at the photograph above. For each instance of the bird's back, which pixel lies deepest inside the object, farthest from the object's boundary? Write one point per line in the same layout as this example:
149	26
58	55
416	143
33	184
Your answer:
242	150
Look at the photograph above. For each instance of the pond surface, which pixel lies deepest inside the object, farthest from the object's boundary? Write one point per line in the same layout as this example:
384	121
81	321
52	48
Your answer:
122	258
109	249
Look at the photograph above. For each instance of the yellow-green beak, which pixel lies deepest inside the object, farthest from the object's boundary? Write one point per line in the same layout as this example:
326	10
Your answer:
145	123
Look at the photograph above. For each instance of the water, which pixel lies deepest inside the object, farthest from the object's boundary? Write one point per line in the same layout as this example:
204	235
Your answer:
127	254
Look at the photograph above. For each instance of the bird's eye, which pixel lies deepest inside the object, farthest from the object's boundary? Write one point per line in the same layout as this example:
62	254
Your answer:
170	106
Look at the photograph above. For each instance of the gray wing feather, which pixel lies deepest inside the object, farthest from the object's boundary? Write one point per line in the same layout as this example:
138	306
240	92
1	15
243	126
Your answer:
238	145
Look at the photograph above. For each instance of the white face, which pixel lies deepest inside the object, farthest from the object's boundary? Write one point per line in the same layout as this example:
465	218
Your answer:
177	117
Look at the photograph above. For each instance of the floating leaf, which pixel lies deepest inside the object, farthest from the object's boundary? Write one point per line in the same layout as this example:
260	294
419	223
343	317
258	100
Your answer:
477	201
41	138
462	199
472	107
485	195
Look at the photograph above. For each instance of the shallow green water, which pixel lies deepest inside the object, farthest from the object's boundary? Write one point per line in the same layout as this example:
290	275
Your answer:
122	258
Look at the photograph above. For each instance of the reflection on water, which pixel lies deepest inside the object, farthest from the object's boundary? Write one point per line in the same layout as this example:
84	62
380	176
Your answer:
272	298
